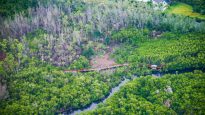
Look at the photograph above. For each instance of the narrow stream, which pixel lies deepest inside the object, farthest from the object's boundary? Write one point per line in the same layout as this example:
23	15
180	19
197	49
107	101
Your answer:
94	104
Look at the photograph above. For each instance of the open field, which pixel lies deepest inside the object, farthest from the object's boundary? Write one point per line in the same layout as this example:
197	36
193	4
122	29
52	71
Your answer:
184	9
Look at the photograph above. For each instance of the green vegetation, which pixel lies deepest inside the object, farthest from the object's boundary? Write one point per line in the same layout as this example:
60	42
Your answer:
171	94
45	90
174	51
41	88
131	35
10	7
42	42
184	9
198	5
81	63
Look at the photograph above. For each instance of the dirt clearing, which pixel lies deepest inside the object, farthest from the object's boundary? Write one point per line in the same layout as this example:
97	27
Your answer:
102	61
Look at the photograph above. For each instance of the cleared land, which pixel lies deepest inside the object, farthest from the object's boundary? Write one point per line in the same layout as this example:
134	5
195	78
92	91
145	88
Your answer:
103	61
184	9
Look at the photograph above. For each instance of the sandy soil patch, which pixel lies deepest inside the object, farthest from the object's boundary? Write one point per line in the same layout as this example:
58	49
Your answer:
102	61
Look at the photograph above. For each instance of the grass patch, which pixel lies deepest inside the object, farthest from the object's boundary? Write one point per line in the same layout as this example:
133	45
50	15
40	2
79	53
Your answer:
184	9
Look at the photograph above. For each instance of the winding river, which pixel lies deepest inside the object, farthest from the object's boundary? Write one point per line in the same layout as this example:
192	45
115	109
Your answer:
112	92
94	104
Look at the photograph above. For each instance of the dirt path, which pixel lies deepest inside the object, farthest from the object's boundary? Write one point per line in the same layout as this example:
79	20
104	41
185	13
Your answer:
101	62
3	91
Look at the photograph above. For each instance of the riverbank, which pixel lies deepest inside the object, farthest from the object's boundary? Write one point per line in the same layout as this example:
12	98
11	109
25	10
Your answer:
94	105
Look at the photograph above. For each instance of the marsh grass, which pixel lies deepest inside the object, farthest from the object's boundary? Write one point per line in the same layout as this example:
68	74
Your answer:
184	9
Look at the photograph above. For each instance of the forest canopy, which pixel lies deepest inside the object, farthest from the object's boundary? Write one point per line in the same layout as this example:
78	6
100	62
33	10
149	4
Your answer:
64	56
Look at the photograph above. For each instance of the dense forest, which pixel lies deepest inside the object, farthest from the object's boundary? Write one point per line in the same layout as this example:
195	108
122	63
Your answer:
62	56
171	94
